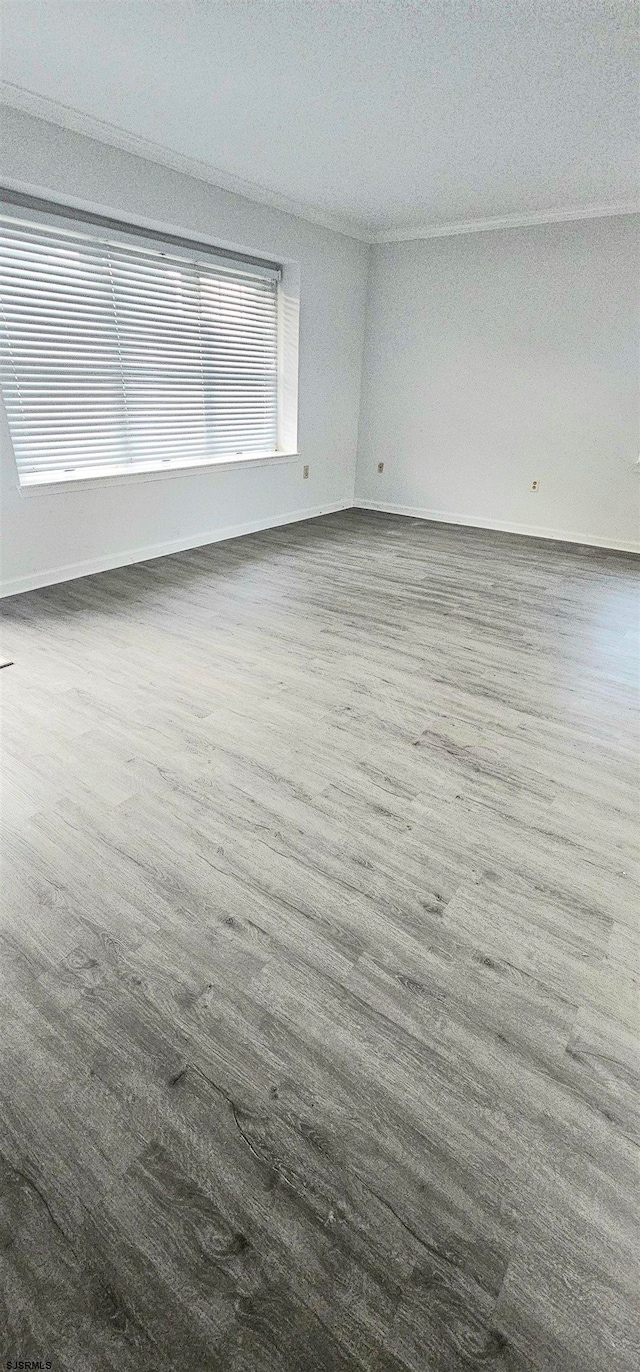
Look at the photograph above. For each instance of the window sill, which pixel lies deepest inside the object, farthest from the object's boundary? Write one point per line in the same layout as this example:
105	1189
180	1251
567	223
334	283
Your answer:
148	471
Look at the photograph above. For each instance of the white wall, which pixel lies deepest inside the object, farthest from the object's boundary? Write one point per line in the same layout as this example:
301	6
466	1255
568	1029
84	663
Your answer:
491	359
47	537
494	359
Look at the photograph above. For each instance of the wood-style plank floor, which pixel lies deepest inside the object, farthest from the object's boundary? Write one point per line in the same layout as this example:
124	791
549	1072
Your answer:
319	958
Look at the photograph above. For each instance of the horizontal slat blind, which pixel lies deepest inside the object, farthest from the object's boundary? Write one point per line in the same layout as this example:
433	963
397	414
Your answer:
114	354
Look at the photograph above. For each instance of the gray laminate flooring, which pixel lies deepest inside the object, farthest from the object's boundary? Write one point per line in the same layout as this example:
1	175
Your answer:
317	1010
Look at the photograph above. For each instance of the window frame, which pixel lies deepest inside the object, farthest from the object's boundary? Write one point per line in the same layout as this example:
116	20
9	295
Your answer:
151	235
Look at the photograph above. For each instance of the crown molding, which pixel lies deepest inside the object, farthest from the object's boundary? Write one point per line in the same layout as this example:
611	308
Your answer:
509	221
53	112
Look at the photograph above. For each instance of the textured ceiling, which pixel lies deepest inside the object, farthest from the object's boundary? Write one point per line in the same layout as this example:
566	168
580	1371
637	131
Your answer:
391	114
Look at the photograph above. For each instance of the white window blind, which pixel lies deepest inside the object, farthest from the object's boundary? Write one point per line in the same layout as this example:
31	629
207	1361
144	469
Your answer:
115	353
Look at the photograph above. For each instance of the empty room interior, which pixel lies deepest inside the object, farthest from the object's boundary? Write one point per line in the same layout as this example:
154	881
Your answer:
319	952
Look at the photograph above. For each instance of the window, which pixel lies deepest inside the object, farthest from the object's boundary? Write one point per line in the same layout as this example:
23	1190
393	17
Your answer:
122	352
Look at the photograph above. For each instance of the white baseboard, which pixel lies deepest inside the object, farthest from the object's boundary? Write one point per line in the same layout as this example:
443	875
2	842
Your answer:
70	572
177	545
503	526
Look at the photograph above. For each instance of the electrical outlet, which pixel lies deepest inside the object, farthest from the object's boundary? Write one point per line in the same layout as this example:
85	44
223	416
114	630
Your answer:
381	466
305	472
534	485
